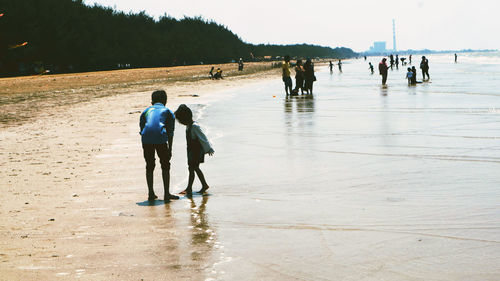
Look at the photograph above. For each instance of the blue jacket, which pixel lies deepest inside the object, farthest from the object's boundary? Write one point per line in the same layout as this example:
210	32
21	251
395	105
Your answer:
157	124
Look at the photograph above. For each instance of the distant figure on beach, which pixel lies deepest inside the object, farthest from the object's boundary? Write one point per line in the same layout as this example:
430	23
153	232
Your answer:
157	125
331	66
382	68
309	76
286	75
371	67
409	76
211	73
340	65
197	146
391	60
456	58
424	65
240	65
218	74
364	57
409	59
403	61
299	77
397	61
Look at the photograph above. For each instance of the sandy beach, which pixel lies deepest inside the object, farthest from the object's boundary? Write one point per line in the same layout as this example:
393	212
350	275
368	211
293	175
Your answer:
73	185
356	182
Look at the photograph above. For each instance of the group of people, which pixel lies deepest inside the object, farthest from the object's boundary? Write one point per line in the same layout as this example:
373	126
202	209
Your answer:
157	124
304	76
339	64
411	75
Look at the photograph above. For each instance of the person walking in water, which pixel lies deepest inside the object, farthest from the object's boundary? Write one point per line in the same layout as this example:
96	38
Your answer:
157	125
371	67
309	76
197	146
409	58
424	65
299	77
391	60
382	68
331	67
340	65
397	61
456	58
286	75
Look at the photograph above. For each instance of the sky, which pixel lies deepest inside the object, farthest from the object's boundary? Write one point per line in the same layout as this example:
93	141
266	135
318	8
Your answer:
356	24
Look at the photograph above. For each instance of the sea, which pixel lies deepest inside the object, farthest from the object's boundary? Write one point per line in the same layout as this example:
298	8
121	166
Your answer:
358	181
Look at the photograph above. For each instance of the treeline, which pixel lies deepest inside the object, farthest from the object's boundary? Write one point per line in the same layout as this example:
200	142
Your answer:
69	36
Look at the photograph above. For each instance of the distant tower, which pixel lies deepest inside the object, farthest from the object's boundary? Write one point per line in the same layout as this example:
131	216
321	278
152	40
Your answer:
394	35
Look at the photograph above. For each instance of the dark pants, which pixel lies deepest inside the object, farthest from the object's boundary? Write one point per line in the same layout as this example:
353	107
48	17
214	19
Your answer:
164	154
384	78
425	72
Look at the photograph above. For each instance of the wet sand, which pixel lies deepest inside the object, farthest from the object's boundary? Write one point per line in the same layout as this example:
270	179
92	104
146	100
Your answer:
354	183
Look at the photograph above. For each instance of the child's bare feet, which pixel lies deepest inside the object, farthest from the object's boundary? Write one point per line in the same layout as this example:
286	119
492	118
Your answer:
203	189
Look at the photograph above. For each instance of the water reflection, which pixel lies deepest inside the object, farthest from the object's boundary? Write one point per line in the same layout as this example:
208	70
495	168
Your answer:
202	236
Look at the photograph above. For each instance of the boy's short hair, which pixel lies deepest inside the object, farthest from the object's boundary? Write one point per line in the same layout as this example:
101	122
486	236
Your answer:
184	114
287	58
159	96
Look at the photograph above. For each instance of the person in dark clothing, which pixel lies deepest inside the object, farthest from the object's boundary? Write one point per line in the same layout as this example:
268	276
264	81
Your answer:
414	77
391	60
197	146
456	58
309	76
331	66
340	65
371	67
240	65
382	68
218	74
299	77
424	65
157	125
397	61
211	73
409	59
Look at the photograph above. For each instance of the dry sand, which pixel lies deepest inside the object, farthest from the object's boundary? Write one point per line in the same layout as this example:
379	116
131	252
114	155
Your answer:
66	212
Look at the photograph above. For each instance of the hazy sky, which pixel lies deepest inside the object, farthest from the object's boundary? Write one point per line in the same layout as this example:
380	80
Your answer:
436	24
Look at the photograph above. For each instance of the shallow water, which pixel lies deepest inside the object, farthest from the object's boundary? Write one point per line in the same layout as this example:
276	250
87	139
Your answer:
359	182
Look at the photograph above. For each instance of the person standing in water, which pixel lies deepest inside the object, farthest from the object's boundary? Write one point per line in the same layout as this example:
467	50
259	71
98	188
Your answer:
382	68
157	125
309	77
456	58
371	67
286	75
397	61
414	76
409	58
331	66
424	65
340	66
409	76
391	60
299	77
197	146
